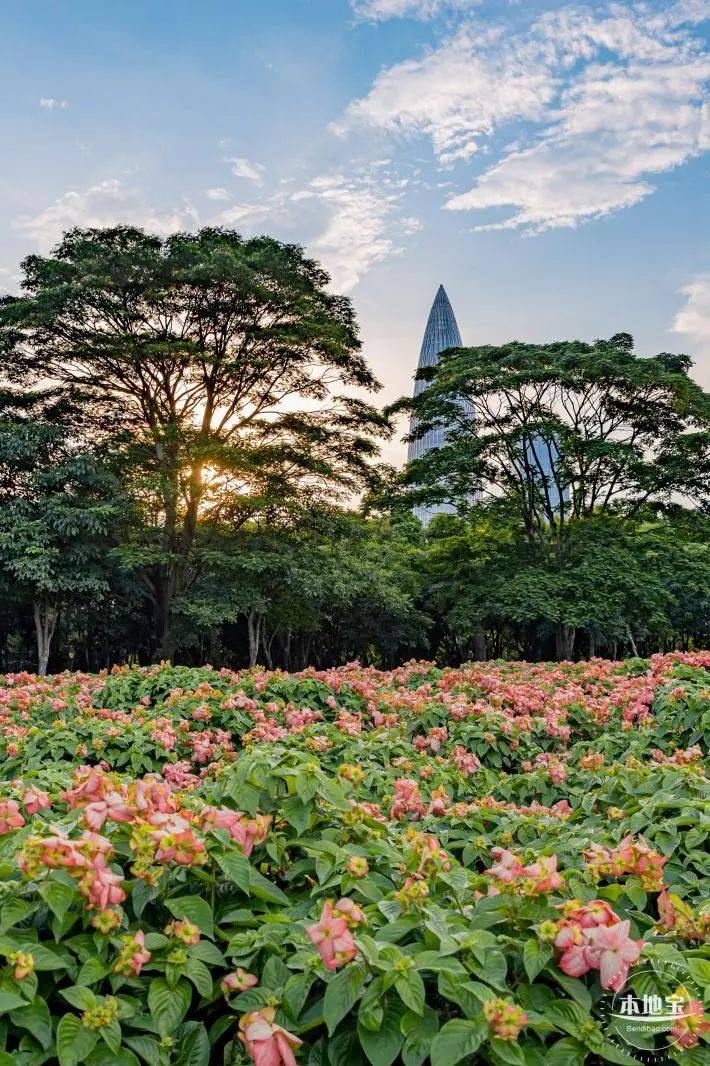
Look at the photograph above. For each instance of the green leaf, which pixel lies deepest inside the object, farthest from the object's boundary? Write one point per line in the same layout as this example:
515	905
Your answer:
74	1041
80	997
58	897
535	956
571	1017
611	1053
419	1033
262	888
200	976
195	1047
507	1051
700	971
341	995
13	912
111	1035
410	987
371	1010
36	1019
296	814
237	869
195	910
103	1055
572	986
168	1006
566	1052
45	958
10	1001
456	1040
92	972
383	1047
146	1047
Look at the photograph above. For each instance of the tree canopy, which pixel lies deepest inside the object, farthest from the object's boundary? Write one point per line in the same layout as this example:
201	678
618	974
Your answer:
188	469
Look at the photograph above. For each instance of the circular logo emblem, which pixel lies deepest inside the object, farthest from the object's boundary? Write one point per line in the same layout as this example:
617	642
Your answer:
656	1014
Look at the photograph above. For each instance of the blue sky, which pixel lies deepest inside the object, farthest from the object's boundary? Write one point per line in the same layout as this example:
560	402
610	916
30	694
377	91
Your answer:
547	161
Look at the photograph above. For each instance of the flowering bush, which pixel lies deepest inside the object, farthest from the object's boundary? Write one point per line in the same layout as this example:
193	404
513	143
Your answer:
351	866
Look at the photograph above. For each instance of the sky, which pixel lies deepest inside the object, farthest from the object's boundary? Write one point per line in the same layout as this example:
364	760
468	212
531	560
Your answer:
546	161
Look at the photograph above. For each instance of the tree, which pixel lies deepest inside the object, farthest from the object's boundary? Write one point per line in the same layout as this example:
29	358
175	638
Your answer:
200	354
57	508
337	589
565	433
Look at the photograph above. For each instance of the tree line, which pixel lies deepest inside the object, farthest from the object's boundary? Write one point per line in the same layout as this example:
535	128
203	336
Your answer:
185	424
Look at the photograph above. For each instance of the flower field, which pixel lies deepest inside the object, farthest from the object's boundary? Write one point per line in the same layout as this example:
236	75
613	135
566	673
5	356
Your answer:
352	866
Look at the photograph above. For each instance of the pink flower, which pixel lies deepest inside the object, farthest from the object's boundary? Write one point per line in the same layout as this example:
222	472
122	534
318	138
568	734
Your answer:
10	817
612	952
542	875
112	807
101	886
358	866
350	911
239	981
505	1019
691	1025
507	869
246	831
332	937
134	955
574	961
267	1044
34	800
184	931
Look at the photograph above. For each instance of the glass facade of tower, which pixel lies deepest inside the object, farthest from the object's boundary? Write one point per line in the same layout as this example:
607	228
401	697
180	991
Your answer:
441	332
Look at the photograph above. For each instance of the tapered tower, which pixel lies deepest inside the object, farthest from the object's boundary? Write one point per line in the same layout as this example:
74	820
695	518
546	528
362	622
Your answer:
441	332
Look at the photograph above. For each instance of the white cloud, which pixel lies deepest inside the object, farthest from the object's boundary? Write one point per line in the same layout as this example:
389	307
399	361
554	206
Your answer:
105	204
615	97
356	233
457	94
217	194
50	103
693	324
693	319
244	168
246	214
377	10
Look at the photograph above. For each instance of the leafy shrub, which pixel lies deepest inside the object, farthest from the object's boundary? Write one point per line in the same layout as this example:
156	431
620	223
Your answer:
351	866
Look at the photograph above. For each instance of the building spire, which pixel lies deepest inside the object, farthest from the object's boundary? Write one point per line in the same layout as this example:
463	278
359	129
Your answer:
441	332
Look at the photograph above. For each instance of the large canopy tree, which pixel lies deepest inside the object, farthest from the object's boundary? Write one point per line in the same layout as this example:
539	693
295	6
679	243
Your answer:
565	432
212	360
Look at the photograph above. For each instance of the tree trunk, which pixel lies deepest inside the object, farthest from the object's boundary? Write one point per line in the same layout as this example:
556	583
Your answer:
253	628
45	624
480	651
267	645
564	641
592	646
632	642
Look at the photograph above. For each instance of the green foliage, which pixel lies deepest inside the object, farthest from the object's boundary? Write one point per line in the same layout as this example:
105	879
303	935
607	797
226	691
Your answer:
284	792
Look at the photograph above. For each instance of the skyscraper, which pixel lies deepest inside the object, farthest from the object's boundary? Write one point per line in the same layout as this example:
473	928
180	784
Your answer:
441	332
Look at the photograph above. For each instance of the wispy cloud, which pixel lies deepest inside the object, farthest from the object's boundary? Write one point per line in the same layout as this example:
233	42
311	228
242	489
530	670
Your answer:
105	204
693	319
609	98
377	10
356	234
245	168
217	194
50	103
